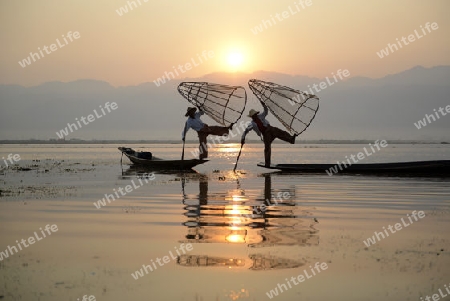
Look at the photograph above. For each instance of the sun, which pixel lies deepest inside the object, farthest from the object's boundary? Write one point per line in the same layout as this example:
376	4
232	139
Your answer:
235	59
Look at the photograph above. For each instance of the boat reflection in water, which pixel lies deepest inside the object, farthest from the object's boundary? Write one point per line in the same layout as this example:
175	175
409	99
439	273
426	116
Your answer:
265	222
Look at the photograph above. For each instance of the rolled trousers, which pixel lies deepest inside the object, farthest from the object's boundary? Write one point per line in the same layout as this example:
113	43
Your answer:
204	133
270	134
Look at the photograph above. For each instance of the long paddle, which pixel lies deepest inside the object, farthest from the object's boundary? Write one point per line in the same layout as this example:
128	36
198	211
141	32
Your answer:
182	153
234	169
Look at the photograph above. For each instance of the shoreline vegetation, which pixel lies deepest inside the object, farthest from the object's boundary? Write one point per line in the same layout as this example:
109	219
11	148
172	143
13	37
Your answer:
321	141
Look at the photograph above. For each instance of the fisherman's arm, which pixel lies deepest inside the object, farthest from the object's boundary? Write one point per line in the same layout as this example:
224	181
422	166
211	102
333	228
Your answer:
248	129
201	109
266	109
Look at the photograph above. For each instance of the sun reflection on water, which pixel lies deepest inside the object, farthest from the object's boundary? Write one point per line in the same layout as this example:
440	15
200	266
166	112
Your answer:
236	295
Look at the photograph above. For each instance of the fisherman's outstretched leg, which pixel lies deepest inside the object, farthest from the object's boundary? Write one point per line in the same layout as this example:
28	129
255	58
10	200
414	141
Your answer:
204	133
268	139
217	130
283	135
267	152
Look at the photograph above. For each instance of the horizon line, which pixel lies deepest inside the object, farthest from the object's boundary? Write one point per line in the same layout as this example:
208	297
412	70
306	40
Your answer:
155	141
215	73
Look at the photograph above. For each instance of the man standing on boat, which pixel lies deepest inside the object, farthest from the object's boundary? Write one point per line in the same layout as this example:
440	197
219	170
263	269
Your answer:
203	130
269	133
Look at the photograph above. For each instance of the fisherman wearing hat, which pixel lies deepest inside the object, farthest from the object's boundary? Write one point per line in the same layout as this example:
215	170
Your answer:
269	133
203	130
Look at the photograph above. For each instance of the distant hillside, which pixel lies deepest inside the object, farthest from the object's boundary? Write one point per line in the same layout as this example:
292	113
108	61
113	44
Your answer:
357	108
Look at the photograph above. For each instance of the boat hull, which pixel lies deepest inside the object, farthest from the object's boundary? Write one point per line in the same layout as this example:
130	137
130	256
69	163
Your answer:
160	164
422	168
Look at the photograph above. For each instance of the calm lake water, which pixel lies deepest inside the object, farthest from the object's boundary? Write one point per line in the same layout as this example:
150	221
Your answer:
247	233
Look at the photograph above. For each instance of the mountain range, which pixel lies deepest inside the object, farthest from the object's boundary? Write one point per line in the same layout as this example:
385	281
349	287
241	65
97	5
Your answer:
352	108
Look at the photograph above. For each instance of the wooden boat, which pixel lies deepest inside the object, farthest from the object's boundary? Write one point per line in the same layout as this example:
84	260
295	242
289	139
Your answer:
148	160
419	168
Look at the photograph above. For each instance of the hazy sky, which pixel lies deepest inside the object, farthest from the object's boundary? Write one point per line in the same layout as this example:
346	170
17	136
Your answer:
149	40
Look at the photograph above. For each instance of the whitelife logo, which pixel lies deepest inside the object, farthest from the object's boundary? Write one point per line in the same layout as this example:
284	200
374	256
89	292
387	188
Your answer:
371	240
91	118
31	240
361	156
265	24
87	298
49	49
430	118
411	38
11	158
130	4
437	297
260	209
206	55
161	261
300	278
111	198
320	87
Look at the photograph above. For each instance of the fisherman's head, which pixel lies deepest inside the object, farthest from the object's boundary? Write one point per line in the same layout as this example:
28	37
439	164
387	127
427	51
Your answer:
190	112
253	114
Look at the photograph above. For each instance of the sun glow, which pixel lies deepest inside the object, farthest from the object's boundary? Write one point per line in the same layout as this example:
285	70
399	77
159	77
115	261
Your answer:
235	59
236	56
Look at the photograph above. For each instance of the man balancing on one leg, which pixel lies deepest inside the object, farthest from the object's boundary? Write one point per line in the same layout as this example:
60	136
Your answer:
269	133
203	130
